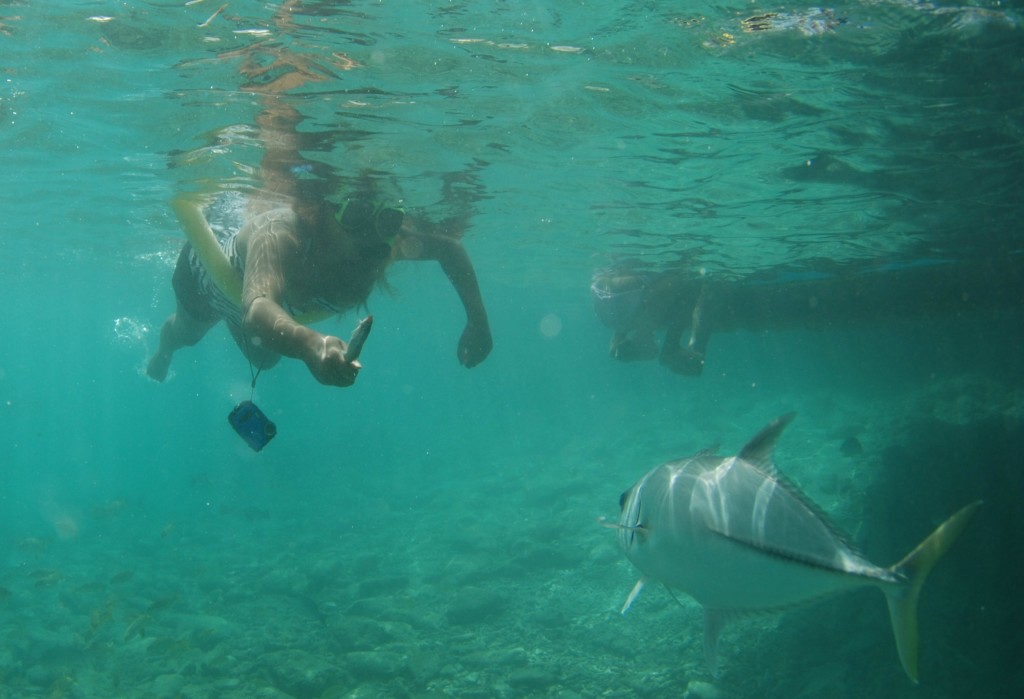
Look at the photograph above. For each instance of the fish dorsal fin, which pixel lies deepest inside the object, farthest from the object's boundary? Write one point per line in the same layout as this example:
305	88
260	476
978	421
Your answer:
760	450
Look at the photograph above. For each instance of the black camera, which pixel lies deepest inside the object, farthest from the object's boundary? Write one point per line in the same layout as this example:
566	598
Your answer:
252	425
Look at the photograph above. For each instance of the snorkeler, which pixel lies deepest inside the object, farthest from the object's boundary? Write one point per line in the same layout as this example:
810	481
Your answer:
310	257
294	253
637	306
830	295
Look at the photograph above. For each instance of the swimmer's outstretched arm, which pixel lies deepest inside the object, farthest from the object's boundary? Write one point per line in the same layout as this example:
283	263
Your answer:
702	321
268	324
689	360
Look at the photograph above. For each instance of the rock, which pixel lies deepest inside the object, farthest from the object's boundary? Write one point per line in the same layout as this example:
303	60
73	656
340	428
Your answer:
376	664
46	644
475	605
389	609
496	658
268	693
702	690
356	633
195	691
368	691
568	694
300	673
283	581
167	685
533	678
382	585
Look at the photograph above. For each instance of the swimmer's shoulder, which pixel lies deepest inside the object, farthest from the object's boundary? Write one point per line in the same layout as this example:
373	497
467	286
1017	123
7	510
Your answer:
280	223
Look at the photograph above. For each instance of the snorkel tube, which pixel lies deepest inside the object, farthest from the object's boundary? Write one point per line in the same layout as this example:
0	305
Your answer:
208	250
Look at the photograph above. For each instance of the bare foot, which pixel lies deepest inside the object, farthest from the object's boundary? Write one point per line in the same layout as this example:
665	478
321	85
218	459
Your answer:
158	366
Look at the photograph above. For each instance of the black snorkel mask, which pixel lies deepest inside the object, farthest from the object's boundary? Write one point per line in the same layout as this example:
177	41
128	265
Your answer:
366	219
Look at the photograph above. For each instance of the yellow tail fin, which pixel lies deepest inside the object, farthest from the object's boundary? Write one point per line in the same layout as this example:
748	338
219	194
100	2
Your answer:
914	568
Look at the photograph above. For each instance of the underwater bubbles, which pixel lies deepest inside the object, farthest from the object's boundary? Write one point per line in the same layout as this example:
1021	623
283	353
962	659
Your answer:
130	332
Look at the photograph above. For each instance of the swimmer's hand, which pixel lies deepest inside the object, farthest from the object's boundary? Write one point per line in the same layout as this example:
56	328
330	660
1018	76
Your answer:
683	360
633	348
329	366
475	344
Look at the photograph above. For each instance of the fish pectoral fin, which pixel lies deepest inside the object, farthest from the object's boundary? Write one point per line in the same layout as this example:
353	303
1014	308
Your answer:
714	621
633	594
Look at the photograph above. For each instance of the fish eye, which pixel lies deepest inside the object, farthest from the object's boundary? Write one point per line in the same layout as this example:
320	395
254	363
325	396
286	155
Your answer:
622	499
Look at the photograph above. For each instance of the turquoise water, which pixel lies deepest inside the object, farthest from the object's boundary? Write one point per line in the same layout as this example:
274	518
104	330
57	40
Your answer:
432	531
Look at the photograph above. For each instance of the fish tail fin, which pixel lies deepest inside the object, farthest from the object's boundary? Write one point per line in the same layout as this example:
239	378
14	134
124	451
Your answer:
913	570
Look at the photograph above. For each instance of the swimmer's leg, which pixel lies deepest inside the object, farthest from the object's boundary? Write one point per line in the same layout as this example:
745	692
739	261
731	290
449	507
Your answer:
260	357
689	360
179	330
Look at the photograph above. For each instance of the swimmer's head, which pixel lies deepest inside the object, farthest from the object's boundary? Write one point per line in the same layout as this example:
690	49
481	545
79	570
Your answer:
617	297
612	283
371	221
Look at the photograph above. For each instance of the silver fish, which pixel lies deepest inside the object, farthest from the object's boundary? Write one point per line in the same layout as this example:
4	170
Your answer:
735	536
